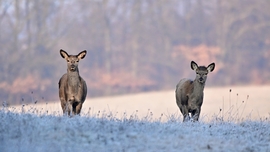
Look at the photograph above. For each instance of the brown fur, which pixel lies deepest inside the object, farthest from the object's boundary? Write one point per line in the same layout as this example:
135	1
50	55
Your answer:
72	87
189	94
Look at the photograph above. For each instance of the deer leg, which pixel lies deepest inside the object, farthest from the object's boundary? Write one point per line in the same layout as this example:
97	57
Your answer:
78	108
184	111
195	114
65	108
74	104
75	107
70	108
64	105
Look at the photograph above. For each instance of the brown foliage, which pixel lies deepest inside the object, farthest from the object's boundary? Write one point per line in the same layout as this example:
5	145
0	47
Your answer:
26	84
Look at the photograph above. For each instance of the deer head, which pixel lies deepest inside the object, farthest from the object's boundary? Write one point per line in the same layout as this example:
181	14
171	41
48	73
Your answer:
202	71
72	60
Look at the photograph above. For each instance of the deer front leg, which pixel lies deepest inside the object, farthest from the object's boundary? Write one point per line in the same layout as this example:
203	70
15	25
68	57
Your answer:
185	113
66	108
71	109
63	106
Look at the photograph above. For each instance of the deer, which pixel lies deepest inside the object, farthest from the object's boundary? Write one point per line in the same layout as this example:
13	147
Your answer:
72	87
189	93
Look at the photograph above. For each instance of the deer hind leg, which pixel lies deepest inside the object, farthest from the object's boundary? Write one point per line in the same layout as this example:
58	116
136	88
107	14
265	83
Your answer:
195	114
78	108
74	107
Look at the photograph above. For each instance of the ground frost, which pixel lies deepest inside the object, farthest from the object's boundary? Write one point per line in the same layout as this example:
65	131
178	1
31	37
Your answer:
29	132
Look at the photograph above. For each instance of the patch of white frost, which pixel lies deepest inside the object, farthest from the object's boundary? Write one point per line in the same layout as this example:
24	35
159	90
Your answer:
30	132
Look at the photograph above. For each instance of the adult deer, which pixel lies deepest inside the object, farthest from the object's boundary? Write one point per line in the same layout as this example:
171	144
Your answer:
72	87
189	94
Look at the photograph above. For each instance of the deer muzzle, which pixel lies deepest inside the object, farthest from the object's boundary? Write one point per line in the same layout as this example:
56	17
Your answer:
72	67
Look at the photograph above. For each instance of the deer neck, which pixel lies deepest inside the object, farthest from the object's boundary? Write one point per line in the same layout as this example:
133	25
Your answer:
73	81
198	87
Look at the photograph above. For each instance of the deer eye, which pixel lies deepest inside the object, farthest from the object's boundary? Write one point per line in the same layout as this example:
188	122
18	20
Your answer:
67	60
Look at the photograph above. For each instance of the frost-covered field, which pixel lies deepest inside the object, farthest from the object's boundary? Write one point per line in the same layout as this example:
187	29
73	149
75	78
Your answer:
232	119
103	132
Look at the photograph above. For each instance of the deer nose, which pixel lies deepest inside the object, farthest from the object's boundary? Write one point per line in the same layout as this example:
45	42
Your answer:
72	66
201	79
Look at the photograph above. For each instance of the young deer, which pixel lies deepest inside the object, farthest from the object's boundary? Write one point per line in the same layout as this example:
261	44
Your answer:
189	94
72	87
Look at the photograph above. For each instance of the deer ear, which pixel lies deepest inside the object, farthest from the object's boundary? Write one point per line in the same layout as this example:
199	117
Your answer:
211	67
82	54
64	54
194	65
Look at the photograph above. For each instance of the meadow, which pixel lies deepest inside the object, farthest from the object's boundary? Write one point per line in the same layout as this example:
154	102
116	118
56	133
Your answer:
232	119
